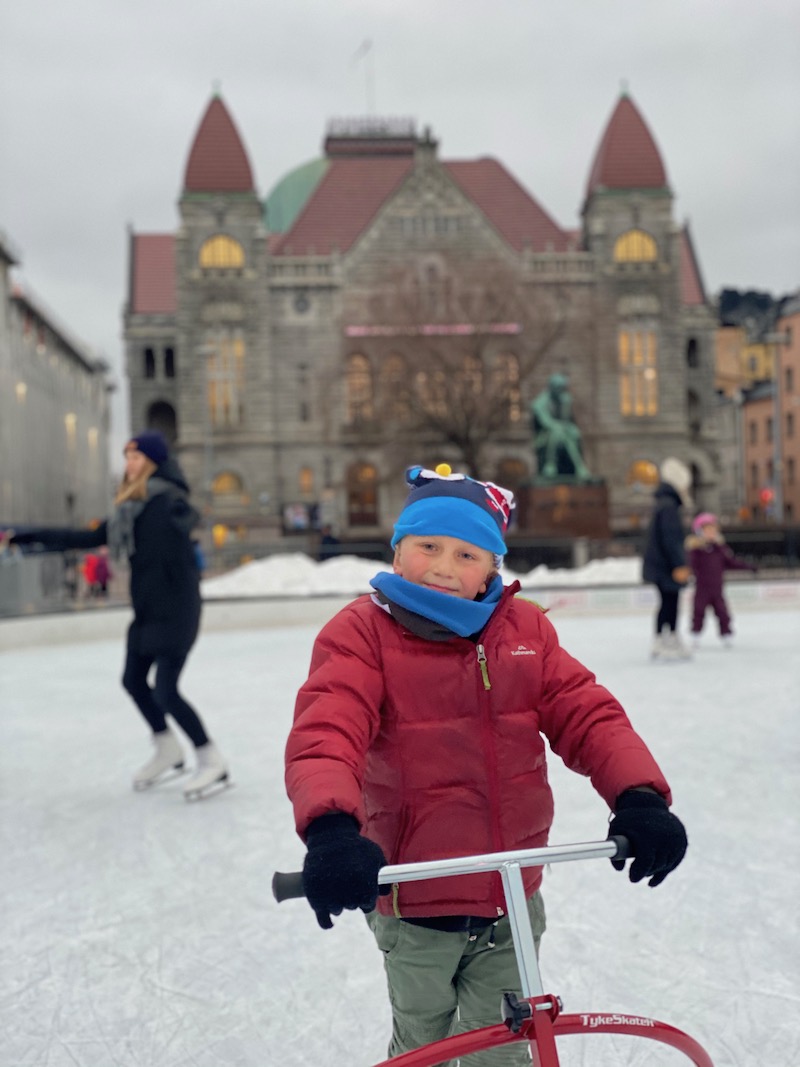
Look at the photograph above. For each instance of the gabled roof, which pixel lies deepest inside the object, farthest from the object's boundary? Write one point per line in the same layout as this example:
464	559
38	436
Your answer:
152	274
627	157
218	161
345	200
343	203
691	281
509	208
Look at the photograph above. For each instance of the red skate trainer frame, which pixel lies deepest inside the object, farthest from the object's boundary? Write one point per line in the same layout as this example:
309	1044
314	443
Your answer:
536	1018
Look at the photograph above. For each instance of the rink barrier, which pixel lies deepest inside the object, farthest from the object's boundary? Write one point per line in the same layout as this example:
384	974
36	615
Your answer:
245	613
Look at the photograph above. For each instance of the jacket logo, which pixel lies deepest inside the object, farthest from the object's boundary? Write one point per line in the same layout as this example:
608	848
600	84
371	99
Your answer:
521	650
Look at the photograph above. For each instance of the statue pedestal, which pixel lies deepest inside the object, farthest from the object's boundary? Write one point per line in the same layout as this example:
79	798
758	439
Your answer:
563	510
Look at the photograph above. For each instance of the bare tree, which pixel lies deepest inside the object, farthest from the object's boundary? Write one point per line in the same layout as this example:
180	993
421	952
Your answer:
446	356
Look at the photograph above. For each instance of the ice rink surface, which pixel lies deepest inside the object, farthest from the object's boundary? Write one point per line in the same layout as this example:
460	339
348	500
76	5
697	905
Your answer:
140	931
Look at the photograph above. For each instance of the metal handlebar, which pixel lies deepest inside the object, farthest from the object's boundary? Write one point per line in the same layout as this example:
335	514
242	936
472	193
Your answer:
509	865
290	885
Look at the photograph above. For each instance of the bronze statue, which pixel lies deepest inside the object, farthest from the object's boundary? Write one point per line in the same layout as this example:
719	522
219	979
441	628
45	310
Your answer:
556	437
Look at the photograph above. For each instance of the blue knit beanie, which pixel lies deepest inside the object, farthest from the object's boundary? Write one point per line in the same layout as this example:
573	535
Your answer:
151	444
442	504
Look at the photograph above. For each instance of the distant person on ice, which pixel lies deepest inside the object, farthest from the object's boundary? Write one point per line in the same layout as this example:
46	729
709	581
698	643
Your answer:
421	734
664	562
709	558
151	525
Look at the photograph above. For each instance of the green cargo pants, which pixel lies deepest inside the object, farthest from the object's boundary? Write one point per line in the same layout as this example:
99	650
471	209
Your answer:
446	983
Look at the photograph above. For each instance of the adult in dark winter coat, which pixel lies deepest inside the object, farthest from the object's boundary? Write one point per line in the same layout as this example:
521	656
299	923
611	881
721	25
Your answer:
664	562
152	525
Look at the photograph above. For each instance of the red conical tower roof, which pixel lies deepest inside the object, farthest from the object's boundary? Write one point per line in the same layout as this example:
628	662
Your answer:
218	161
627	157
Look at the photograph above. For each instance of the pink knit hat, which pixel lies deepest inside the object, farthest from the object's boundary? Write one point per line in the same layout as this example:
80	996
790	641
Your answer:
705	518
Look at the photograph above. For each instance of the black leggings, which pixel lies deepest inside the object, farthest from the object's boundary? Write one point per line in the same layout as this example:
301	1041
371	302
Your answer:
667	617
164	699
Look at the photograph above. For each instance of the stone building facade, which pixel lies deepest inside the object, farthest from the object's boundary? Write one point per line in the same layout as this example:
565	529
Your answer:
384	306
54	414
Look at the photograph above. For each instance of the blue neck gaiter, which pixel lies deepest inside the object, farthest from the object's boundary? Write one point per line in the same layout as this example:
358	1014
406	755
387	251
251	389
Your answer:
463	617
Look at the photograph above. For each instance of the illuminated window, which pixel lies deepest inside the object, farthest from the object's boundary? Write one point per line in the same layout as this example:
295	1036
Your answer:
506	370
431	388
394	385
222	252
362	495
642	473
638	371
225	376
227	484
472	370
635	246
359	389
305	481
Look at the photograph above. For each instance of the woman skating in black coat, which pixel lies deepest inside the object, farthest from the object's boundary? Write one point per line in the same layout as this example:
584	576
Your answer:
152	524
664	562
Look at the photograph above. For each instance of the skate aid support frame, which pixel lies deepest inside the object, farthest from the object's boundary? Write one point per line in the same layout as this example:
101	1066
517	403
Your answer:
509	865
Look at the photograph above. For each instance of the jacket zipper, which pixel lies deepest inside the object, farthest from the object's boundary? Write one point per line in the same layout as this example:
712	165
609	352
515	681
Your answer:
481	651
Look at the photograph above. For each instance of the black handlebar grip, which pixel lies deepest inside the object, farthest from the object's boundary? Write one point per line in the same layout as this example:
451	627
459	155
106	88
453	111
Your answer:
287	886
623	847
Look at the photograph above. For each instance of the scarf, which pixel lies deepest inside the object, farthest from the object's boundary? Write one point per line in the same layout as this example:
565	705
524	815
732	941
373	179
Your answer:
121	539
458	616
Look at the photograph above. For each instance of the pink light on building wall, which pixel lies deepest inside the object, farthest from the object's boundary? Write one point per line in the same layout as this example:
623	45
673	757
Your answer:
458	329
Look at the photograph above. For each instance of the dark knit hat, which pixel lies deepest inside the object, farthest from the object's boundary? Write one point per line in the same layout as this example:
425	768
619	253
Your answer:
453	505
151	444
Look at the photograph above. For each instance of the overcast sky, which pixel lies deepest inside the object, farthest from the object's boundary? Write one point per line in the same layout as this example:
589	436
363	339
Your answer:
101	100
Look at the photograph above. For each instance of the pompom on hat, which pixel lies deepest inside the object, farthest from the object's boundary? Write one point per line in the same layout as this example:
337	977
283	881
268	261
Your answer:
151	444
705	518
443	504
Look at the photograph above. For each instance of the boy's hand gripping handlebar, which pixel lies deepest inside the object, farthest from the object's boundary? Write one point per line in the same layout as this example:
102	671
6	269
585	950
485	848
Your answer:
290	885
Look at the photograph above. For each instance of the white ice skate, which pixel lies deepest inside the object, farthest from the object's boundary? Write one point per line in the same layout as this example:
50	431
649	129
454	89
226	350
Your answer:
673	647
211	771
168	756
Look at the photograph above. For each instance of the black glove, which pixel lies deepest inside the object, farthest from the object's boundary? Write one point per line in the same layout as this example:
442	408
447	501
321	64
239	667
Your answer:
341	868
657	837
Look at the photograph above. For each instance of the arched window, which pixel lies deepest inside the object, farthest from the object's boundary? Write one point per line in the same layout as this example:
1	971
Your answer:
642	473
637	356
225	371
472	371
395	390
430	385
692	353
359	389
149	363
512	473
161	416
635	246
227	484
169	362
506	373
362	495
221	252
305	481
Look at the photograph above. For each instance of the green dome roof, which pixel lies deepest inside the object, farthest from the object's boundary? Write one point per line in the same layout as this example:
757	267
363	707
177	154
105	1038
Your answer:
288	198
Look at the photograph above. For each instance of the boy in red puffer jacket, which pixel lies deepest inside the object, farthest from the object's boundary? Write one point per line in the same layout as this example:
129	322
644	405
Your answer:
420	734
709	558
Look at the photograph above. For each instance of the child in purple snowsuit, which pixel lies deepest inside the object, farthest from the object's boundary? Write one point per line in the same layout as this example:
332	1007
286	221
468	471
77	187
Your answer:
709	558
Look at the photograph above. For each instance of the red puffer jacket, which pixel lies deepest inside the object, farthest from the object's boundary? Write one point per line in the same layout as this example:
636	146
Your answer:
438	752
